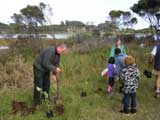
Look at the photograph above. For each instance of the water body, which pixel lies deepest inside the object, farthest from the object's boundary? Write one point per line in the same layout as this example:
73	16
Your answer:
44	36
4	50
140	35
4	47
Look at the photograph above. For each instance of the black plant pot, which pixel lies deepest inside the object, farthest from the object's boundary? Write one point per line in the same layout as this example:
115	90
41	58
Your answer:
98	90
83	94
49	114
147	73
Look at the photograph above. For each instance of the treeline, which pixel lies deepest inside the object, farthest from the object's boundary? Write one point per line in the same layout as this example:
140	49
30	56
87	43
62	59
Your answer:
71	26
34	19
61	28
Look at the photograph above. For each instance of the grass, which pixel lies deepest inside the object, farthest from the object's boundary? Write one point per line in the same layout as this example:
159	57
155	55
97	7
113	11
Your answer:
77	69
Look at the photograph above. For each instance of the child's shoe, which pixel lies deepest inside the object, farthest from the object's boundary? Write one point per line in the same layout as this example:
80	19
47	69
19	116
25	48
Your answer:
157	95
125	111
109	90
133	111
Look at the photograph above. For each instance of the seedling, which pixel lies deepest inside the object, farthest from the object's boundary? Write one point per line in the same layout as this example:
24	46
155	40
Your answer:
99	89
49	112
84	93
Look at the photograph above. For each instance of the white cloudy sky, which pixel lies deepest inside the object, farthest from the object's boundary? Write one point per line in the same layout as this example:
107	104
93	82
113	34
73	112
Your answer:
83	10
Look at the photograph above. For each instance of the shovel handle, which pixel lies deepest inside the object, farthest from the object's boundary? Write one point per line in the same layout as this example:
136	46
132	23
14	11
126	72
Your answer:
58	90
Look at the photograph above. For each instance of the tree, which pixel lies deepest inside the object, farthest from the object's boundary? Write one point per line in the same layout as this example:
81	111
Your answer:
121	19
95	32
67	23
147	9
62	23
30	17
126	16
115	16
75	23
74	26
107	26
133	21
47	12
18	26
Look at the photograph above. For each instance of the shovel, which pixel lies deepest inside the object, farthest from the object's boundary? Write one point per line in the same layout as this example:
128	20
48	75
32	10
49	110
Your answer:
58	100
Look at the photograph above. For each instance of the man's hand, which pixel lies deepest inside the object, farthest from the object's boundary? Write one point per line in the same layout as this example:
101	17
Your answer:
53	77
58	70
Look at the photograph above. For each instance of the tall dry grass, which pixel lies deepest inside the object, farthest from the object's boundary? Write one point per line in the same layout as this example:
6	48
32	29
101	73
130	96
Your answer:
16	74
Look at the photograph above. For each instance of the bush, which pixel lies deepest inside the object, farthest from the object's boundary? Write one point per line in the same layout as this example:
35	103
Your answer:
95	32
4	42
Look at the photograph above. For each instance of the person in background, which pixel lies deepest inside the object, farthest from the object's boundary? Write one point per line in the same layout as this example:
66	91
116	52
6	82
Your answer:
155	54
130	80
119	60
47	62
117	45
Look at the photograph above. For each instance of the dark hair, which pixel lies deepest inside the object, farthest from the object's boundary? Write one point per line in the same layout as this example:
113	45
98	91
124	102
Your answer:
117	40
117	51
111	60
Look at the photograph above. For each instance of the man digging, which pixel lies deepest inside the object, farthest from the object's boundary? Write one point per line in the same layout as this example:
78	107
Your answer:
47	61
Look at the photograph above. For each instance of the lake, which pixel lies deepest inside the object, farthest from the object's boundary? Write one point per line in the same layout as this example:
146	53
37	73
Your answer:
4	47
44	36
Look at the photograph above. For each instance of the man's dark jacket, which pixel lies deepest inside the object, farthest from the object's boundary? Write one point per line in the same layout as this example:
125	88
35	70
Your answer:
48	60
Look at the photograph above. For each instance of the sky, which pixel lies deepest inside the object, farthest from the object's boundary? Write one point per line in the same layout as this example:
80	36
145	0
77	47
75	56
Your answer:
94	11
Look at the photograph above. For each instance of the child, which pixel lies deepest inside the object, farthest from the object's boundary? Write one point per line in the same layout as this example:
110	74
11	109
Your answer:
130	80
111	73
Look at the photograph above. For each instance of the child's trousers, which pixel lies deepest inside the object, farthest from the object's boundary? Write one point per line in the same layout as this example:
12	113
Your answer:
129	100
111	81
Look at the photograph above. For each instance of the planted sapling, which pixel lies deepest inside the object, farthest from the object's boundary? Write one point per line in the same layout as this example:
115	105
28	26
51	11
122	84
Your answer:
84	93
49	112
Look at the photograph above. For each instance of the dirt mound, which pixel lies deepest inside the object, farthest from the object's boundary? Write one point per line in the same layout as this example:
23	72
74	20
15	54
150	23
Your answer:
22	107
